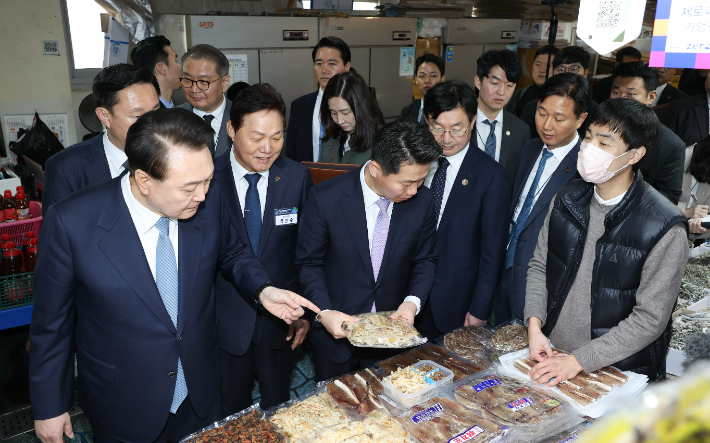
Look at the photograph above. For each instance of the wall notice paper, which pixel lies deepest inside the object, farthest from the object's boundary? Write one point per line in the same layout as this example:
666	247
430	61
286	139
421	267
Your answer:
406	62
681	34
12	124
607	25
115	44
238	68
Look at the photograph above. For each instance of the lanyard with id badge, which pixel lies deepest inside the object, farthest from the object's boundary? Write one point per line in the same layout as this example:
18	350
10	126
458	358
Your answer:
287	216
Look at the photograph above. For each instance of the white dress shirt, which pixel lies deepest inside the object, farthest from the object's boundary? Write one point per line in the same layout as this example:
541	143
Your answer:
144	219
452	171
659	91
482	131
167	104
421	109
346	147
315	122
551	165
116	158
238	172
217	120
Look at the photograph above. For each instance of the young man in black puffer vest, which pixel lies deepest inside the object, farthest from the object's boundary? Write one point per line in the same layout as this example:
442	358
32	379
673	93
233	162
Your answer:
609	259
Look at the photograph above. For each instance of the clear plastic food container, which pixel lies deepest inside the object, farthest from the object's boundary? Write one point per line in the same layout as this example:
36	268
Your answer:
422	395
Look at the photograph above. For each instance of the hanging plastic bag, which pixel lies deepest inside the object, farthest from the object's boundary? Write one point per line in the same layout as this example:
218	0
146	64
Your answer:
38	144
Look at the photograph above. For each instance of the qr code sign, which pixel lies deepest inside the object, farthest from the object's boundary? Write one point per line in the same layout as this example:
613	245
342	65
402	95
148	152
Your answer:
51	47
609	14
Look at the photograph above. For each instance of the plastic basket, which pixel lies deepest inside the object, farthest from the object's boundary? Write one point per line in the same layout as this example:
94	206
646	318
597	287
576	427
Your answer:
16	291
17	229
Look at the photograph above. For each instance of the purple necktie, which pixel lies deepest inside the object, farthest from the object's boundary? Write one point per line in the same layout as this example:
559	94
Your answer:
379	239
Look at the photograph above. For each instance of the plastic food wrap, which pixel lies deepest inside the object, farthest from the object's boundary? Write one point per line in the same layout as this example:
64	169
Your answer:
409	392
467	342
378	330
356	393
243	427
573	434
442	419
510	338
376	427
298	419
436	354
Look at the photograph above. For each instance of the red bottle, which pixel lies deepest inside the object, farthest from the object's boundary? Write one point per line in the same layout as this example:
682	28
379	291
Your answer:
19	189
3	242
22	206
8	206
31	256
12	260
26	244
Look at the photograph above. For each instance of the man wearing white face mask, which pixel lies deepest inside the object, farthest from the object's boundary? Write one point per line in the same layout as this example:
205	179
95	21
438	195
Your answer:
603	280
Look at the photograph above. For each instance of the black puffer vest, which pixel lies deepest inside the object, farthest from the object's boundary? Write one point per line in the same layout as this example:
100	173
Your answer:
632	229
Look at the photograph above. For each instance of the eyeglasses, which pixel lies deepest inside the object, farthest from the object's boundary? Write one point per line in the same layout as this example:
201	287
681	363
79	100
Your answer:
573	69
438	132
203	85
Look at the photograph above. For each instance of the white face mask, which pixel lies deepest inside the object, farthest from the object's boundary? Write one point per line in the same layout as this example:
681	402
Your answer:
593	162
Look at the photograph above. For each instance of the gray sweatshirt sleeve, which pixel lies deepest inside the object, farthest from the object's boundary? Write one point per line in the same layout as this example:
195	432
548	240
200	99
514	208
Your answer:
660	280
536	283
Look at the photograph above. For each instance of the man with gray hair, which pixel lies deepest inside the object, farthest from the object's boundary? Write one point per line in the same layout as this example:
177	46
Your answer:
205	80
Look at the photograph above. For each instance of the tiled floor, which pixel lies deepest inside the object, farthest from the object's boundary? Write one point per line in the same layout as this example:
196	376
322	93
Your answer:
14	390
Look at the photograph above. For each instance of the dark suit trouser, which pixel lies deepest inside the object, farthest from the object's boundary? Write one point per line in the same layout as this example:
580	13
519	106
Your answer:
362	358
426	325
504	310
273	370
179	425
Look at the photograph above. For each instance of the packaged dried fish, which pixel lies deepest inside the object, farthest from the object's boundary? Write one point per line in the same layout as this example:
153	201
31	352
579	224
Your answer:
463	342
244	427
352	392
378	330
376	427
298	419
510	338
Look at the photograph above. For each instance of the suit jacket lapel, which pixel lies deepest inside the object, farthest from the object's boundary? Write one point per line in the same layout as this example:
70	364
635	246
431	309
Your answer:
701	112
527	168
354	211
223	140
190	240
229	190
504	142
458	190
398	223
278	183
97	170
123	249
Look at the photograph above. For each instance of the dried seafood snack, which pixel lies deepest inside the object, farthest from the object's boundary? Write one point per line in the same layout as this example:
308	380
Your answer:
306	416
683	327
372	379
378	330
398	361
510	338
245	429
353	394
507	400
688	294
438	355
463	342
407	380
442	419
697	275
376	427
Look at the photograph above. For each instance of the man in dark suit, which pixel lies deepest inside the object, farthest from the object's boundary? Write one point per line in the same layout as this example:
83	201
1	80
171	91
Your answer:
662	167
250	338
123	93
546	165
303	138
205	79
689	117
155	55
541	71
429	70
665	92
471	193
367	244
499	133
145	332
627	54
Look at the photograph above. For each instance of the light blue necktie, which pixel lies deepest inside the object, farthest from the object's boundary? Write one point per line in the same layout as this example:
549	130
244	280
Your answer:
525	211
166	278
320	139
491	140
252	212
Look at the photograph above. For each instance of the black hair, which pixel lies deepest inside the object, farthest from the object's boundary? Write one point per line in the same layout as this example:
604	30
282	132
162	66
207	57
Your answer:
352	88
627	51
505	58
700	161
449	95
568	85
404	142
255	98
572	54
641	70
151	51
634	122
235	89
547	49
113	79
335	43
151	137
430	58
210	53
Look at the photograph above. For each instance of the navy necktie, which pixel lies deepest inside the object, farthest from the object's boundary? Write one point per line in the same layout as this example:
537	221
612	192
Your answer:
525	211
252	211
208	118
438	183
491	140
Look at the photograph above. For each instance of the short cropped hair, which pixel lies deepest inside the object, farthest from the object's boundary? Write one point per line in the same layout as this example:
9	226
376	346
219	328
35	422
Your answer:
505	58
634	122
627	51
547	49
572	54
151	51
430	58
404	142
210	53
568	85
235	89
255	98
113	79
641	70
449	95
335	43
151	137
